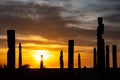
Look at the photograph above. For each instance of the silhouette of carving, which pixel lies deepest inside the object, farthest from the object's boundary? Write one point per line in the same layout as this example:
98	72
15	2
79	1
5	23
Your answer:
41	62
20	56
95	58
70	54
95	61
107	57
11	49
79	61
100	44
61	60
100	50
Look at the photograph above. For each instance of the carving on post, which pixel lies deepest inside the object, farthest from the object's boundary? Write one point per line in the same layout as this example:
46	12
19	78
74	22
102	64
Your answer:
107	57
20	56
11	49
41	62
79	61
100	50
61	60
95	58
100	44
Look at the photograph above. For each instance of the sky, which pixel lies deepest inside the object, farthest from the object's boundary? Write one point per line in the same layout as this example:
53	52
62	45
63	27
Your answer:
47	25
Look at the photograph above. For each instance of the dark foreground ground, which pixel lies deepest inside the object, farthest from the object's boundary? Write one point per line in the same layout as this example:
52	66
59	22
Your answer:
57	74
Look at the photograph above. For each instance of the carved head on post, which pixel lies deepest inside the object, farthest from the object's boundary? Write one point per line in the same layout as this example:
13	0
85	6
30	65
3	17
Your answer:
100	29
100	20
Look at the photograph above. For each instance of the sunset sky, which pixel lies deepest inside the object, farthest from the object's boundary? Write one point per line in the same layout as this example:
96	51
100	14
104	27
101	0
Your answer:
45	26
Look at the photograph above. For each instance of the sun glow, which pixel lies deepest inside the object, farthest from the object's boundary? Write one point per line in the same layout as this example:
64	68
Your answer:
39	53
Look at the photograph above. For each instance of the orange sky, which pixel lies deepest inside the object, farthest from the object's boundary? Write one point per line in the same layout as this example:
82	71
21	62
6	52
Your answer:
30	51
53	52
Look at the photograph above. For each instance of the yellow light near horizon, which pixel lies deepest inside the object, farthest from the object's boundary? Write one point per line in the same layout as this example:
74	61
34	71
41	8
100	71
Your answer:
39	53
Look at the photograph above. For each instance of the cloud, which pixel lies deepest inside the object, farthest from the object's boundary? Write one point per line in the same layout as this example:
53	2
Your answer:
32	16
113	18
58	23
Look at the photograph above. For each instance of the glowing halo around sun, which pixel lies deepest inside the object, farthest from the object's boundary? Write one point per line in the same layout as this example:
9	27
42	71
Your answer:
39	53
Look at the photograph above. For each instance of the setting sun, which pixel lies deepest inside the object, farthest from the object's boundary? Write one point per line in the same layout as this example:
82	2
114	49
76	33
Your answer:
39	53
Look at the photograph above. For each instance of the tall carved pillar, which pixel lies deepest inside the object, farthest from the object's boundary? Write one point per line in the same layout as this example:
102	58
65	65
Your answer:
100	49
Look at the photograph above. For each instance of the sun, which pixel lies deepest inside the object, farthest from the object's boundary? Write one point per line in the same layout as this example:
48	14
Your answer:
39	53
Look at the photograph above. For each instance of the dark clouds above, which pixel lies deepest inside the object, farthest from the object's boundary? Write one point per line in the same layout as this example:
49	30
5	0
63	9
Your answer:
109	9
49	19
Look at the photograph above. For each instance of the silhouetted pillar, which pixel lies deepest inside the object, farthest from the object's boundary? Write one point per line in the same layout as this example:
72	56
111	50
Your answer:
95	62
79	66
20	55
61	60
70	54
41	62
71	59
100	50
107	57
79	61
100	44
114	54
11	49
95	58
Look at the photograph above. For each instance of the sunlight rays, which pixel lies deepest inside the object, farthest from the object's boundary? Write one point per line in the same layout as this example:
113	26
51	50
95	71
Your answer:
39	53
